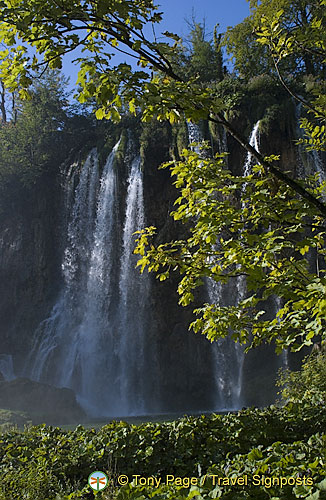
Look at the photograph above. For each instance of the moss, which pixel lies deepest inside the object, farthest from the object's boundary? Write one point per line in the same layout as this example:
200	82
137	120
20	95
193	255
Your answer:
122	148
155	140
214	131
278	118
271	115
109	133
217	137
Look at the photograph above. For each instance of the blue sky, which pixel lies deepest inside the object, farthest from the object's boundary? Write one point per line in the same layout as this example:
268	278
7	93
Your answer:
176	12
225	12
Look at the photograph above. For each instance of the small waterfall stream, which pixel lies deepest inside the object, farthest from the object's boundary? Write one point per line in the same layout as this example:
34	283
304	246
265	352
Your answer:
254	142
285	352
241	286
194	136
228	358
83	368
234	361
51	340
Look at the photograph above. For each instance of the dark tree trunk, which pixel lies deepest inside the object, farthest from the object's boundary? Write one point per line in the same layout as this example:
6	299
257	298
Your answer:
3	104
13	108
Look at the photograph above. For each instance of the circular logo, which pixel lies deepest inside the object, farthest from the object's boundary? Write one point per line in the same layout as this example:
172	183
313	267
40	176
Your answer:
98	480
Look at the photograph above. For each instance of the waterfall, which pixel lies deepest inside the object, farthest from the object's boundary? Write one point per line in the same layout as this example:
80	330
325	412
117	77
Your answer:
85	366
51	339
318	165
241	286
254	142
93	340
285	352
133	293
228	355
194	136
228	361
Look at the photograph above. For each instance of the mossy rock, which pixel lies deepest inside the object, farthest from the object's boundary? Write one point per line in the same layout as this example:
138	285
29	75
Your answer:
10	419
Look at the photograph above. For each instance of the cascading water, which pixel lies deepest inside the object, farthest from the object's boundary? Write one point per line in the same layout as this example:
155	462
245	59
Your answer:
228	362
194	136
241	282
318	165
254	142
97	338
241	286
285	352
54	332
133	292
93	339
85	368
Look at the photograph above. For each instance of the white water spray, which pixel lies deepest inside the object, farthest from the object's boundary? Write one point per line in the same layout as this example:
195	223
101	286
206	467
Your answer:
133	293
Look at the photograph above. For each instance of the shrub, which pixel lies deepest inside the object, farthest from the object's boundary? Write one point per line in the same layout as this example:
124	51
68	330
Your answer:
307	385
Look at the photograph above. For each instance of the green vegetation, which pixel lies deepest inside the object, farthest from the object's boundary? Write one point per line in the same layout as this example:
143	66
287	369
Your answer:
49	463
240	230
38	136
33	134
307	385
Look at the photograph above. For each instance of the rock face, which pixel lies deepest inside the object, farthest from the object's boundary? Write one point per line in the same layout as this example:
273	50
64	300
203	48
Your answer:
183	361
29	265
41	401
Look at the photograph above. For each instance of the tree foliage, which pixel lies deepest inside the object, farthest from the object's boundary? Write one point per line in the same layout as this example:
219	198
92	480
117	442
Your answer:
249	58
205	58
28	141
277	30
237	229
286	39
294	32
263	227
37	138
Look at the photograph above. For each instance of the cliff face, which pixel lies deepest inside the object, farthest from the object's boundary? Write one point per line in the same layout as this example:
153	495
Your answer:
180	364
29	262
